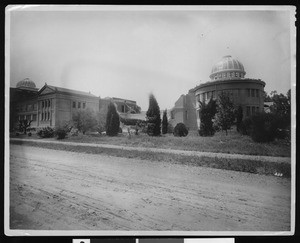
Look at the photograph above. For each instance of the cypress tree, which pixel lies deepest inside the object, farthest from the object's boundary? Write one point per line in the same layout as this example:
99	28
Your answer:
112	121
153	117
165	123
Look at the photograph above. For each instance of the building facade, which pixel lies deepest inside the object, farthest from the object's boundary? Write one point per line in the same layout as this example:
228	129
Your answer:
53	106
227	76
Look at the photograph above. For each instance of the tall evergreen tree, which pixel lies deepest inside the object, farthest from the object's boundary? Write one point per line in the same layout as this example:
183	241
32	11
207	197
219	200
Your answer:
153	117
165	123
225	112
206	114
239	118
112	121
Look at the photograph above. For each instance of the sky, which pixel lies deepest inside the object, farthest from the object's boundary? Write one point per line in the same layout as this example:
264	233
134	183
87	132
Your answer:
132	53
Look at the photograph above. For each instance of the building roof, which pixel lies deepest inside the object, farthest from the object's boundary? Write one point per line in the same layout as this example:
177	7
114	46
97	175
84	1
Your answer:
67	91
26	84
227	63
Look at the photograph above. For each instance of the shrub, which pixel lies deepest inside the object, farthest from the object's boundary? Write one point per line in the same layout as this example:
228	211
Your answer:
61	132
46	132
180	130
29	134
263	127
17	134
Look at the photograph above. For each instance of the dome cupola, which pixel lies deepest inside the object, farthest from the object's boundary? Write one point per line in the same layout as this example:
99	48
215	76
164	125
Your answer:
227	68
26	84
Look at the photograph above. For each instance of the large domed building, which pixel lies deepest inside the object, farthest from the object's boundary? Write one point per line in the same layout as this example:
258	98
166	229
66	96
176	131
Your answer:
227	75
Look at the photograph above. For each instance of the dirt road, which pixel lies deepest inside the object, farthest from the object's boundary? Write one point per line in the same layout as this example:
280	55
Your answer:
61	190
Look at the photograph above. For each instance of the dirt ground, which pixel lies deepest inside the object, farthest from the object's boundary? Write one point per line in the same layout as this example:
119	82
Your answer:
59	190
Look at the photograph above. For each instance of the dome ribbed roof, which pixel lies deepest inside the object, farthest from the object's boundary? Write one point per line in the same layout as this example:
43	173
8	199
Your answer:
227	65
26	84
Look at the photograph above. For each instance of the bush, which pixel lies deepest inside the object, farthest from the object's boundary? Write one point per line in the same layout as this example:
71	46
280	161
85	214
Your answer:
206	114
61	133
263	127
29	134
46	132
180	130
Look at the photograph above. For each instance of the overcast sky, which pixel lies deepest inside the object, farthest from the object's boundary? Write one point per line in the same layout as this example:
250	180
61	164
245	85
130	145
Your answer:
129	54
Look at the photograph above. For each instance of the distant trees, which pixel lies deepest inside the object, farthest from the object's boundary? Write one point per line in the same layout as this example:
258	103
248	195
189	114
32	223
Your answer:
225	115
153	117
112	121
207	113
84	120
165	123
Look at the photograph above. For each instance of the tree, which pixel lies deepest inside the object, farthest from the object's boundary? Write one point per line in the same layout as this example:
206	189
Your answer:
206	114
112	121
24	125
84	120
225	112
153	117
239	118
281	107
165	123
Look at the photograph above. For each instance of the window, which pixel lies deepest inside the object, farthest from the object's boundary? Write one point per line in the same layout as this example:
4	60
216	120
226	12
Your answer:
256	92
236	74
48	115
248	110
123	108
186	115
34	117
42	116
83	105
79	105
252	93
248	92
253	110
74	104
172	115
28	117
257	109
214	94
42	104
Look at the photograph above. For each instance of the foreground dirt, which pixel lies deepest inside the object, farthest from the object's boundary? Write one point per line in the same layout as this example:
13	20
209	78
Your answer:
59	190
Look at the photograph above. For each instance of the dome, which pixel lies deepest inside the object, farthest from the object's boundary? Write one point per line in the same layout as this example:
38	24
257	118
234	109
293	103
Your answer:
26	84
227	68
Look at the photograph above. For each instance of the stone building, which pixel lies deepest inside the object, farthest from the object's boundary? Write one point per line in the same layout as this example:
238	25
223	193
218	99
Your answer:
227	75
54	106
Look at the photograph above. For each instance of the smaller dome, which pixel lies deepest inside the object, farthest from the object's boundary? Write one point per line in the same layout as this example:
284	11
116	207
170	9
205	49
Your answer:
26	84
227	68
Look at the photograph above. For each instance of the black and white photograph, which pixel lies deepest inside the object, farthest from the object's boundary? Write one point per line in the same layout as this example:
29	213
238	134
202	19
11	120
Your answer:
149	120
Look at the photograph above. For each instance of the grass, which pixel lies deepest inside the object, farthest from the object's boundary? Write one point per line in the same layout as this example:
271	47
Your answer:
257	167
233	143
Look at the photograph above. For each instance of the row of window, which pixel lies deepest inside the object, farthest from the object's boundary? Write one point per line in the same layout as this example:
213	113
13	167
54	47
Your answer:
251	110
45	116
46	103
28	107
229	75
79	105
253	92
31	117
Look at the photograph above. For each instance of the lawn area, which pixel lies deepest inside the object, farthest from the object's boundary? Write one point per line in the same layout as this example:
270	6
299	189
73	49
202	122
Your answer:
233	143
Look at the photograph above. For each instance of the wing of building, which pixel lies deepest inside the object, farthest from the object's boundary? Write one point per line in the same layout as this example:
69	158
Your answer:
54	106
227	75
